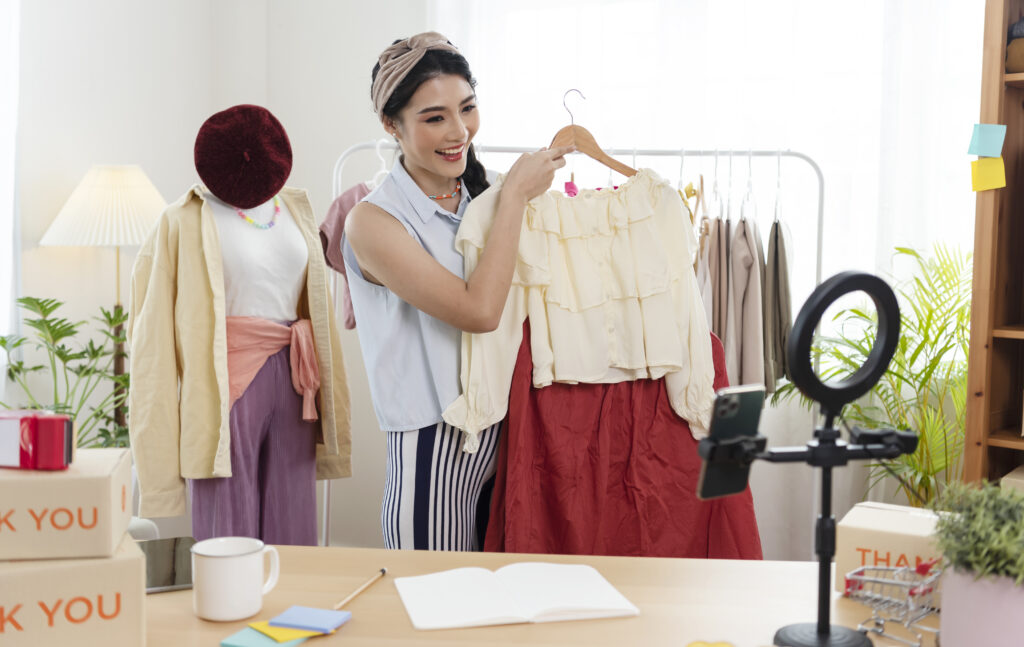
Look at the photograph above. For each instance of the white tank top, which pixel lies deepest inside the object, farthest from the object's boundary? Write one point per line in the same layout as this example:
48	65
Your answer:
264	269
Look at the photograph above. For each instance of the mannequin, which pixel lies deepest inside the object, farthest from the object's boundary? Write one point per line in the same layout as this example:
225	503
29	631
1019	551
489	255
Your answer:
238	381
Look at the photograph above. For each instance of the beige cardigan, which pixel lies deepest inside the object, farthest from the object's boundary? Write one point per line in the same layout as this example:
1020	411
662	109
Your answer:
178	400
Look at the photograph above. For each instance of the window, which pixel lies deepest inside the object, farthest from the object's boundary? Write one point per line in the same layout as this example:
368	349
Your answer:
882	95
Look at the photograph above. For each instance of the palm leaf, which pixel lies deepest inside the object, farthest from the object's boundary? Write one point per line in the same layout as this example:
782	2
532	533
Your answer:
925	386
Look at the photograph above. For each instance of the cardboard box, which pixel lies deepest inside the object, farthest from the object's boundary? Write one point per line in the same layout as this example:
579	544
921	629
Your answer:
1014	479
881	534
79	512
81	602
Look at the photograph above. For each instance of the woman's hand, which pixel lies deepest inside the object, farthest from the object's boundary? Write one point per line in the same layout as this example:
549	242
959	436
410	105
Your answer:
533	173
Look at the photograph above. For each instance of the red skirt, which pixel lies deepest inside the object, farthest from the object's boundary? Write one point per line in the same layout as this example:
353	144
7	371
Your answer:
608	469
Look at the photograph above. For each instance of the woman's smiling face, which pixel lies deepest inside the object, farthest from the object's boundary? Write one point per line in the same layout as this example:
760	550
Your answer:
436	127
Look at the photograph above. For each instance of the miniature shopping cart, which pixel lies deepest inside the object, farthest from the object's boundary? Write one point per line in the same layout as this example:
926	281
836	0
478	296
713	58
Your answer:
903	595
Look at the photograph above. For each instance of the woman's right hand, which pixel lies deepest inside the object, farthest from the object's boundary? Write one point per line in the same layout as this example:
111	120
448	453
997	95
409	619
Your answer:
533	173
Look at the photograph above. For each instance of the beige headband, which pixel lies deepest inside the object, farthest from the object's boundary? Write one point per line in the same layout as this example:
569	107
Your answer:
398	60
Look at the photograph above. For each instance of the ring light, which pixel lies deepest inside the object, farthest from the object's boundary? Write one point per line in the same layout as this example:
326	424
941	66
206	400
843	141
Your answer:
835	395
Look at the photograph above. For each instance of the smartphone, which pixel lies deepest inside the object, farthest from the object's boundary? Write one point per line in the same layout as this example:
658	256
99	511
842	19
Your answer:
736	412
168	563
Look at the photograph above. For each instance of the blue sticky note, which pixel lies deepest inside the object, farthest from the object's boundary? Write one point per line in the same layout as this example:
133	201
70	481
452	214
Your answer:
311	619
987	140
249	637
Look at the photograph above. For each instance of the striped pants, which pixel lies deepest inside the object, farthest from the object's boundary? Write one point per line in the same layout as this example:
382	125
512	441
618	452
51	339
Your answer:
432	492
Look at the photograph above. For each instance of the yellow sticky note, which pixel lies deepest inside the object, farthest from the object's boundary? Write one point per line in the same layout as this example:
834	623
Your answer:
282	634
988	173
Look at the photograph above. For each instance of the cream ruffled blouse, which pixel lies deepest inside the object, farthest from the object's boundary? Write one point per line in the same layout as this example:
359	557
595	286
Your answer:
607	281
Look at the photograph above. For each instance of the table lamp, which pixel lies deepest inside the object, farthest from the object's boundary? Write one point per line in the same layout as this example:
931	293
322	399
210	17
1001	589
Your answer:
113	206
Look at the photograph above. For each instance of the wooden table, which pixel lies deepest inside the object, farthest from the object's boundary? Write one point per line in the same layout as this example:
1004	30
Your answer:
680	601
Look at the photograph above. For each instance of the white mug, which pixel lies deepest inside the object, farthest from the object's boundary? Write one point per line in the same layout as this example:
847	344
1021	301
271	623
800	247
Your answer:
227	577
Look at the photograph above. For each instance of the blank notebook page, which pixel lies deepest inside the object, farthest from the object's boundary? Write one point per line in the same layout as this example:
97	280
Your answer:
551	592
464	597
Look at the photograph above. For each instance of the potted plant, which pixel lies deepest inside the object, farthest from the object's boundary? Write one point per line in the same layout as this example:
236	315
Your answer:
78	372
981	536
925	387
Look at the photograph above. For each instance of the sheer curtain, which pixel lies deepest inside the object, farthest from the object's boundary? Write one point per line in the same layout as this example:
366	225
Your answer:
882	94
9	28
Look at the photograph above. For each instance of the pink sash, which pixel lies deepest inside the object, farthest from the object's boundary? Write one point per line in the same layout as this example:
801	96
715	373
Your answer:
252	340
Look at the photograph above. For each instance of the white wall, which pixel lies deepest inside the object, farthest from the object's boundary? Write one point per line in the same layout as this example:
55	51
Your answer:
103	82
121	81
115	82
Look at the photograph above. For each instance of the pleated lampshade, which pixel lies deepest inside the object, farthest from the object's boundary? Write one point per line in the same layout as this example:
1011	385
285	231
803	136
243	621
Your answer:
111	206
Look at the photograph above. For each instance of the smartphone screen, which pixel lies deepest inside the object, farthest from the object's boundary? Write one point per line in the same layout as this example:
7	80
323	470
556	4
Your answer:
736	412
168	563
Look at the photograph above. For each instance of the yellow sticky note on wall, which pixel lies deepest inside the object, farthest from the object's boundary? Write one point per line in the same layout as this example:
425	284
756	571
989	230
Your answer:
988	173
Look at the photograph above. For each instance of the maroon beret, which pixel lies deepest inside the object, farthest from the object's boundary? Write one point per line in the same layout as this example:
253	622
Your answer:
243	155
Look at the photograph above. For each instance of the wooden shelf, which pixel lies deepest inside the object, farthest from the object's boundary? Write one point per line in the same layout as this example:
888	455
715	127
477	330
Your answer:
1009	332
995	374
1008	438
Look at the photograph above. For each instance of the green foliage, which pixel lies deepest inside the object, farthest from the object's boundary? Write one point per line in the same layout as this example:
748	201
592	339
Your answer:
984	534
925	387
76	371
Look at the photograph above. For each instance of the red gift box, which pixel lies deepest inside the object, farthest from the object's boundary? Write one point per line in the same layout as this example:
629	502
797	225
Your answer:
35	440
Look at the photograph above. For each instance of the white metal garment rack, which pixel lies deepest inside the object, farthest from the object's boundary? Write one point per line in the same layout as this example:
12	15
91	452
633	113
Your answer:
381	145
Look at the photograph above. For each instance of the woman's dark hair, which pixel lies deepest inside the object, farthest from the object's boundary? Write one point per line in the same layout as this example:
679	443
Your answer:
434	63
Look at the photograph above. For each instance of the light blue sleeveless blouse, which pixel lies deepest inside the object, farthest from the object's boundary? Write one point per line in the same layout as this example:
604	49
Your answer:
412	359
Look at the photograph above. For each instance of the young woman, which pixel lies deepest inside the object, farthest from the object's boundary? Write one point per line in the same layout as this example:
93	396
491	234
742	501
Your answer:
409	294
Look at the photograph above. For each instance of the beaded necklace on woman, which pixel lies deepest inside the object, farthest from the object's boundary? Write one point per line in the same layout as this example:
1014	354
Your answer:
441	199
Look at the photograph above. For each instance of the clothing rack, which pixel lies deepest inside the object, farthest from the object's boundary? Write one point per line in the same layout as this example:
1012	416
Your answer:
339	166
379	146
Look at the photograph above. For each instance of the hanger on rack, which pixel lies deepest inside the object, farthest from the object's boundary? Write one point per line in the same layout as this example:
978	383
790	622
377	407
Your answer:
748	208
698	203
728	192
778	181
716	196
688	190
682	162
580	137
379	176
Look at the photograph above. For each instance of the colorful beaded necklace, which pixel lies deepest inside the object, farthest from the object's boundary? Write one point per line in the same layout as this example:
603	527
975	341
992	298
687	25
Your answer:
458	185
273	219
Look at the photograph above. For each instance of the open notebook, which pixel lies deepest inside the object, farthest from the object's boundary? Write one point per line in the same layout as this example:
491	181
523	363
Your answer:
517	593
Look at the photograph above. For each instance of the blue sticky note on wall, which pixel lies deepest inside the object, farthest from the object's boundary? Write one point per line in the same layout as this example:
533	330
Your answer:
249	637
987	140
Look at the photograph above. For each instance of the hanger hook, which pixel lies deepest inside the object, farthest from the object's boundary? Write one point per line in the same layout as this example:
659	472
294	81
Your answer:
572	119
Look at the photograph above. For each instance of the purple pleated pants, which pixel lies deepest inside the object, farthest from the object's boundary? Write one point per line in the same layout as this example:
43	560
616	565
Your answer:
271	494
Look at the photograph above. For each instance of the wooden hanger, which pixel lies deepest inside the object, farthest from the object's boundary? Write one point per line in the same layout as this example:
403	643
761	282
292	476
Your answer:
580	137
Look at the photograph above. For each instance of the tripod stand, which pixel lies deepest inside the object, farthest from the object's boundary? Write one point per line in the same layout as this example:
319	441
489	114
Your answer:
826	449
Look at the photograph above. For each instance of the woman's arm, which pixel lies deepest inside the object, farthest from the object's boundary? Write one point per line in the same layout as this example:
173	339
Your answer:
389	256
